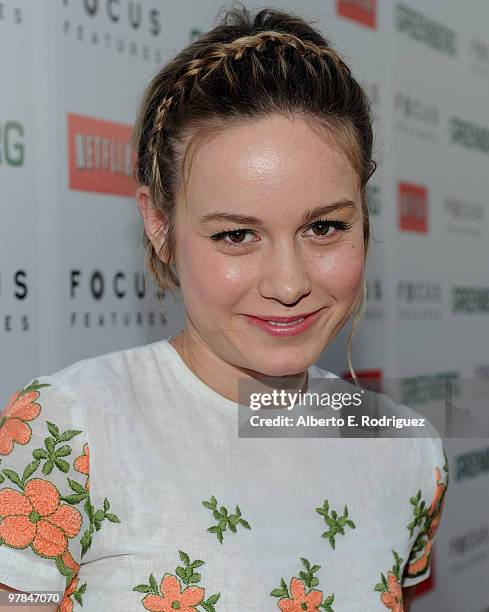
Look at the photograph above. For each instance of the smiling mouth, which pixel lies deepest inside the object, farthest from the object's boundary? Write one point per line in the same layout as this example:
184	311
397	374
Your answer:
278	320
283	323
284	326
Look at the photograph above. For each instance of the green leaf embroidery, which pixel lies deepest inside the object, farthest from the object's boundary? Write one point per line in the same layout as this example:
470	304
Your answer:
53	430
335	523
225	520
95	517
14	477
423	518
30	469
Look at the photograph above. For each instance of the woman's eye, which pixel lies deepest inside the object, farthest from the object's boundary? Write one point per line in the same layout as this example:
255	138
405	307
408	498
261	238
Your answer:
322	229
234	237
237	235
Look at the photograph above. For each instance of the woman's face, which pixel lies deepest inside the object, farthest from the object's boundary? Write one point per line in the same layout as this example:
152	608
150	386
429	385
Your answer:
252	245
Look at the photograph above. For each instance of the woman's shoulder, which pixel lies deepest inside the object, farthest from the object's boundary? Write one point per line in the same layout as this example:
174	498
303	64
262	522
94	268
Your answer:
93	383
112	364
112	370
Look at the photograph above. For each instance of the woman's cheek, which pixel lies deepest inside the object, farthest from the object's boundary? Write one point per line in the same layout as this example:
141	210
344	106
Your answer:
341	271
208	275
235	270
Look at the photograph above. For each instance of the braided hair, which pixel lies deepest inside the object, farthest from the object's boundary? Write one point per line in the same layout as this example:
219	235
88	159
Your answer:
246	68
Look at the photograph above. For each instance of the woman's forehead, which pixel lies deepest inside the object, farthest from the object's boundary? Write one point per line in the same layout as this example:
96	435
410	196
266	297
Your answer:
273	159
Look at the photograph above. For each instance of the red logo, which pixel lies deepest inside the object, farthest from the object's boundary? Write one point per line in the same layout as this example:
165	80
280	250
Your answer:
101	158
372	379
413	208
362	11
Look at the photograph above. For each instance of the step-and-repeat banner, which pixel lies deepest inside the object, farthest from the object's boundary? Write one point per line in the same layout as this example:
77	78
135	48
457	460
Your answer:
72	283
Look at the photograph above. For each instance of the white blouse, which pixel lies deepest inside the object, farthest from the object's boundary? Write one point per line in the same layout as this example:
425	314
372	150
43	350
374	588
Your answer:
124	486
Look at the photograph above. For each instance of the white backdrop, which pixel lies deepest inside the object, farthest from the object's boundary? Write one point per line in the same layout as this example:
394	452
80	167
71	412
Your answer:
72	283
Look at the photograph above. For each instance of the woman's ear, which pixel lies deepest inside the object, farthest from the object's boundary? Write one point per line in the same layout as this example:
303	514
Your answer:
155	222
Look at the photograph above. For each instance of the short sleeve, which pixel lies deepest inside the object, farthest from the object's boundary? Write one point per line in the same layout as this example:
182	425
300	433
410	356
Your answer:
427	514
44	489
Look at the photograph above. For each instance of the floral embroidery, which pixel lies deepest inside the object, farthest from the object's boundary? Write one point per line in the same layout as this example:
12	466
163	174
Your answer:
429	519
34	515
391	588
81	464
336	524
66	604
20	408
37	519
225	519
171	596
298	600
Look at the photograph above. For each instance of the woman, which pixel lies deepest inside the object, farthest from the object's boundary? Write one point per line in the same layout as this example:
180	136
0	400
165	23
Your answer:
126	485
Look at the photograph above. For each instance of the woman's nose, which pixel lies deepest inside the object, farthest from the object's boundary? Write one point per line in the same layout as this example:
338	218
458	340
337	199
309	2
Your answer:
284	275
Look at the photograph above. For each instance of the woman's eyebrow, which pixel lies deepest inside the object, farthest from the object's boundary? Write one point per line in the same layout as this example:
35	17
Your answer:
307	216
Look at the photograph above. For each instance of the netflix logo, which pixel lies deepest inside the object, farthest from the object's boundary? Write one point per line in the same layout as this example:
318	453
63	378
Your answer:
413	208
361	11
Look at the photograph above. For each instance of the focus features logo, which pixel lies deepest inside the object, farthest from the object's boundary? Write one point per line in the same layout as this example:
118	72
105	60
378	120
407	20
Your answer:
124	26
111	290
416	118
419	300
464	218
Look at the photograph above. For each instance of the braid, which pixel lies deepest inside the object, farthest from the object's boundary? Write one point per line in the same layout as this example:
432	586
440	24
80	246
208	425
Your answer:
220	54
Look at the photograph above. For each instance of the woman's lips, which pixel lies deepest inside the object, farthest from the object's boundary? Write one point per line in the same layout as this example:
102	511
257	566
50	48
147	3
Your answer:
285	326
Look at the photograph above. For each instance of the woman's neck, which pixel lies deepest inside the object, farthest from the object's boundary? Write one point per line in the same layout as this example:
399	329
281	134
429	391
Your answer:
221	376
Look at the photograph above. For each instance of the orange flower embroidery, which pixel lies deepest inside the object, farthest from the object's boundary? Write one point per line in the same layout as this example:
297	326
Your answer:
420	565
82	465
13	427
300	601
37	519
432	517
390	587
440	489
66	604
392	598
173	598
295	599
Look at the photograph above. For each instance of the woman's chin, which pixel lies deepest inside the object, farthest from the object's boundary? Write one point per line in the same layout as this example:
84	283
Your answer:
287	367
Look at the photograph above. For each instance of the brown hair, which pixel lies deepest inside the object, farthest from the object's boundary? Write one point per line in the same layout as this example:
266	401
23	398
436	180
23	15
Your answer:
245	68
